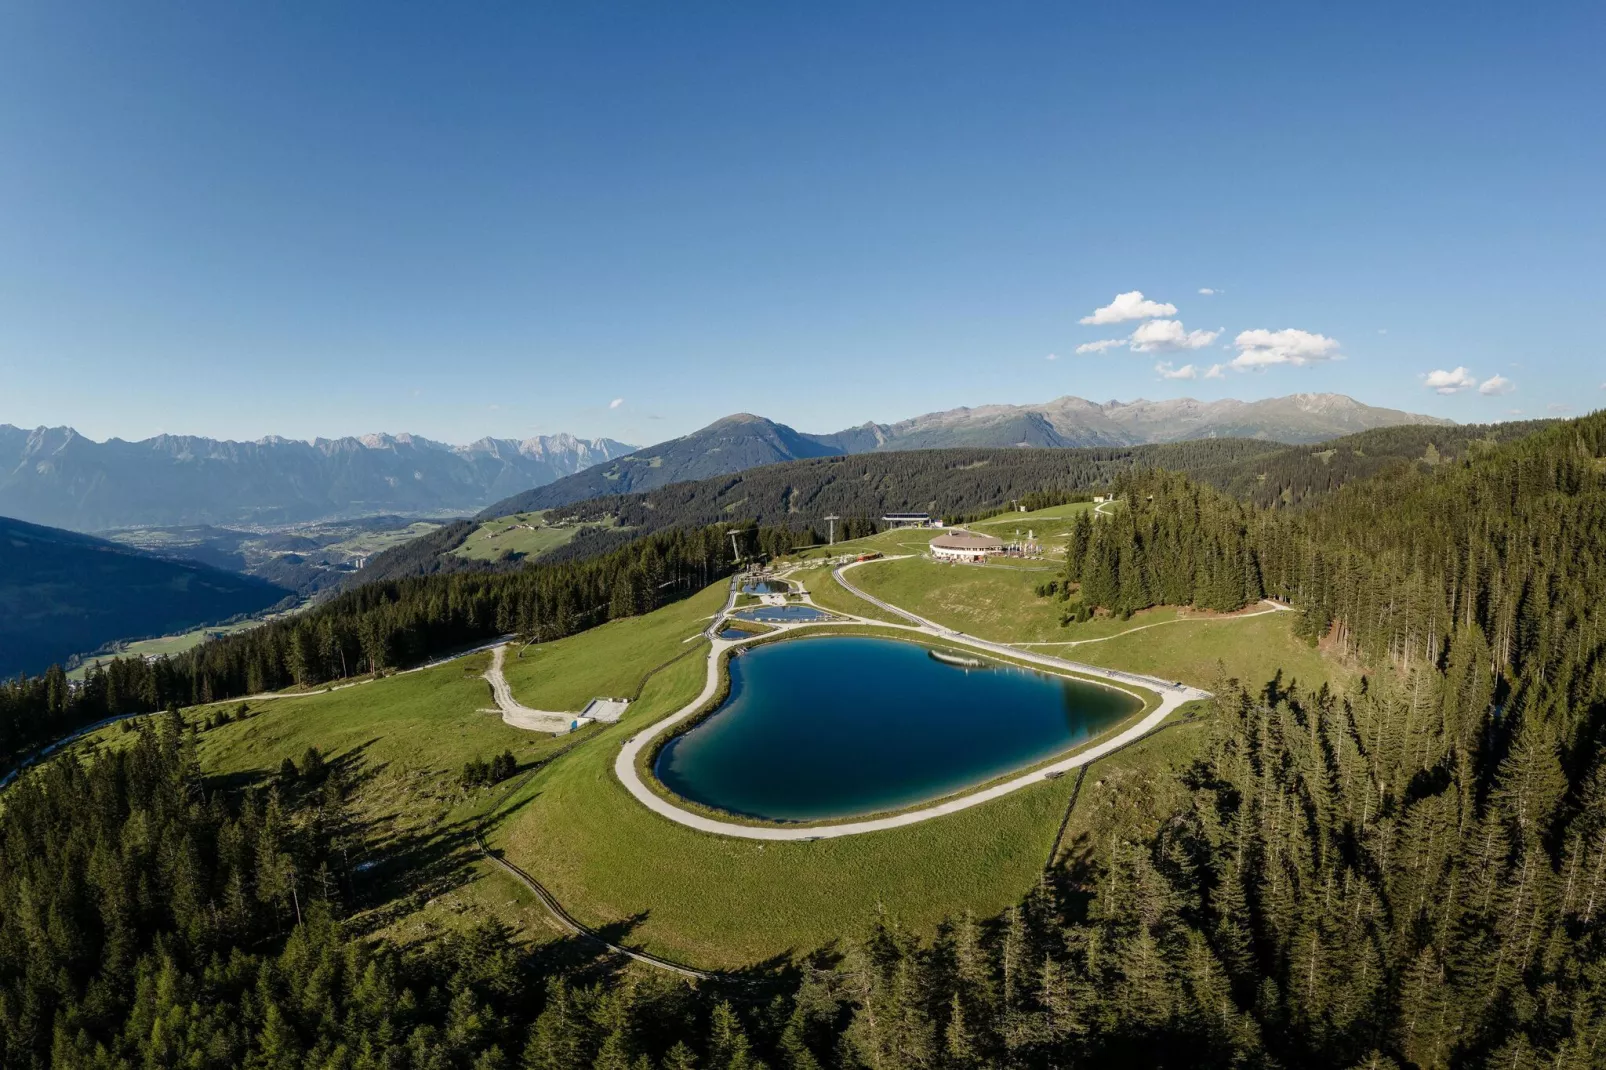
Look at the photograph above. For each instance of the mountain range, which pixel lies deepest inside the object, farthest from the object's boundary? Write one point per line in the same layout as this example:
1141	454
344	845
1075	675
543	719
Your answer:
744	441
55	476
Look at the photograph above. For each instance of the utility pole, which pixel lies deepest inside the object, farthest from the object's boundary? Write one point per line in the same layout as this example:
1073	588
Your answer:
831	520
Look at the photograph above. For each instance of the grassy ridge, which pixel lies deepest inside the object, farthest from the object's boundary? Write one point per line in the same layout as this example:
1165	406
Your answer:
523	534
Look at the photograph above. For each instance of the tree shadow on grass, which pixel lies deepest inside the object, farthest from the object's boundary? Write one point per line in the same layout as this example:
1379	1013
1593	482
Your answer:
353	768
410	858
235	784
410	867
1075	877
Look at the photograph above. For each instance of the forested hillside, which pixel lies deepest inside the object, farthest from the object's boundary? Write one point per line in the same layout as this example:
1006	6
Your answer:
62	593
1440	843
744	441
942	482
962	482
152	918
1297	474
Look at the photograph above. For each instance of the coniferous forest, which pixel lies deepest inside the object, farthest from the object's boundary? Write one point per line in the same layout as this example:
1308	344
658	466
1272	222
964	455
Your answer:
1411	874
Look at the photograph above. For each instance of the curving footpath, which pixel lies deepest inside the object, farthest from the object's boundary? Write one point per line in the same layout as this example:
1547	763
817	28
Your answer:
515	713
1276	607
624	766
575	928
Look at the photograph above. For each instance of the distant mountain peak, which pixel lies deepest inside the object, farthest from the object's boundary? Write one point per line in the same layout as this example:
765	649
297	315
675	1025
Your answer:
737	419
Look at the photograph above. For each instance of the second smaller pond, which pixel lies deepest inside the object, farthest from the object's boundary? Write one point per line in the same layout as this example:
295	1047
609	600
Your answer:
789	614
767	587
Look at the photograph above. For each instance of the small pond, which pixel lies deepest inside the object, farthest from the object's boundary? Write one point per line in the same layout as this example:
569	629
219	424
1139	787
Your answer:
767	587
790	613
847	725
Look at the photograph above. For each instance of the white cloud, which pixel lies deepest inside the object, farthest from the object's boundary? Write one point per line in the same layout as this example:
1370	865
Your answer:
1160	336
1052	356
1166	371
1382	330
1217	371
1450	382
1261	348
1101	345
1208	292
615	403
1129	306
1556	406
1496	385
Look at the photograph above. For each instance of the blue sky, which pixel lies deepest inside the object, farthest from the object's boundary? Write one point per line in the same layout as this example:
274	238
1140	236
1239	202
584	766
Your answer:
460	220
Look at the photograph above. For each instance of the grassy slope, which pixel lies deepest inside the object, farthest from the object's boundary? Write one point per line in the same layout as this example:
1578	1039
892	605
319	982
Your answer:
725	902
984	600
496	537
168	644
893	541
1049	526
1129	793
403	741
1000	605
1253	649
611	659
828	594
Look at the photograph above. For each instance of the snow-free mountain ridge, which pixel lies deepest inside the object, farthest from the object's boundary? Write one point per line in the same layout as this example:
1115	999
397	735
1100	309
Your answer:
744	441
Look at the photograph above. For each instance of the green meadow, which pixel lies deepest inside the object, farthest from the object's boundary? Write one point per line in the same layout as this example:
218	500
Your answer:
524	534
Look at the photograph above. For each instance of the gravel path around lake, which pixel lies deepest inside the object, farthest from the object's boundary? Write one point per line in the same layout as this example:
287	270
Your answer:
1171	695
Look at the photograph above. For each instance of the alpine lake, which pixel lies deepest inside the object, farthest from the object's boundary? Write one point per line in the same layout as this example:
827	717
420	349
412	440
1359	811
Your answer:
822	728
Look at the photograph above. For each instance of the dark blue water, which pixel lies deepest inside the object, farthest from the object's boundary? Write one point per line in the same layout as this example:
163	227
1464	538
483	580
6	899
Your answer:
846	725
786	613
767	587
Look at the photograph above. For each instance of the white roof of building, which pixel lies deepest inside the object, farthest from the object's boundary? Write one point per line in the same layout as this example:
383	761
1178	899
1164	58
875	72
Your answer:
966	540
